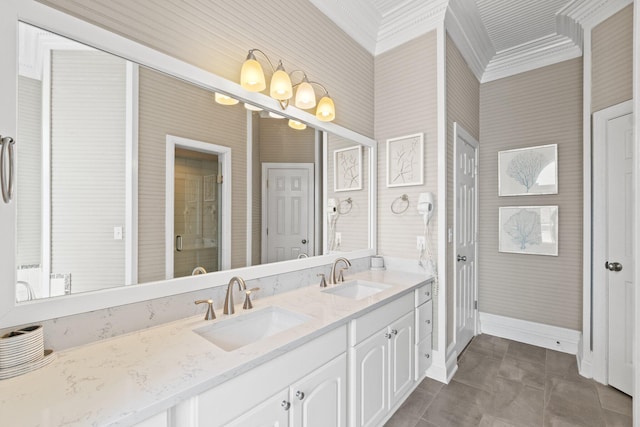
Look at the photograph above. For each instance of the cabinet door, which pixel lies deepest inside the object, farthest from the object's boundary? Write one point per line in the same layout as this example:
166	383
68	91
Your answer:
274	412
401	353
371	372
320	399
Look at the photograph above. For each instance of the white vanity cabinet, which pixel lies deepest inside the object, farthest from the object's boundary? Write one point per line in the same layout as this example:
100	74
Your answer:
424	329
318	400
312	382
382	361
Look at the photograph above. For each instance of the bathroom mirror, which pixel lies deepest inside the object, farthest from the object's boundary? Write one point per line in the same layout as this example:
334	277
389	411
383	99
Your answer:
96	207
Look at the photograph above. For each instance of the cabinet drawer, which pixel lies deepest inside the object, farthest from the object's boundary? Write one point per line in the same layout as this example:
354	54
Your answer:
424	356
424	322
423	293
374	321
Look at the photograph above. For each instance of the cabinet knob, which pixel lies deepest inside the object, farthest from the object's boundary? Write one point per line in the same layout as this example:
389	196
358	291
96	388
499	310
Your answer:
428	322
427	355
394	331
387	335
285	405
300	395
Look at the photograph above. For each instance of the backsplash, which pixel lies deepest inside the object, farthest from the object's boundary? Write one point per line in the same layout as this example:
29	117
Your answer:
71	331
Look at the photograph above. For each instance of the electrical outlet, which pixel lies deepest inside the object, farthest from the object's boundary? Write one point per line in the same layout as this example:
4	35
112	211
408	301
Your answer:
338	238
420	244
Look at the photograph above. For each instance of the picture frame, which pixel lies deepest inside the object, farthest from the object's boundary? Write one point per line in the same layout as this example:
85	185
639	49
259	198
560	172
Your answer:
405	160
347	169
528	230
528	171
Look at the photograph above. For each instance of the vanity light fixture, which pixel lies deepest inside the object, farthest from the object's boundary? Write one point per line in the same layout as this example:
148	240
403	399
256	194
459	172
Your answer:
224	99
281	88
294	124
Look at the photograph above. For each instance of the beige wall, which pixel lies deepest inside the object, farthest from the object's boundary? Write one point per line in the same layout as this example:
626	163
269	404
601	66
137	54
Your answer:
542	106
611	60
216	35
463	107
406	103
172	107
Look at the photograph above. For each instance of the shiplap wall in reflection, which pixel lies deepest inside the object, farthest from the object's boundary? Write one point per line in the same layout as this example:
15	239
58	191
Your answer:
353	221
216	35
543	106
169	106
406	103
88	99
29	173
463	107
612	60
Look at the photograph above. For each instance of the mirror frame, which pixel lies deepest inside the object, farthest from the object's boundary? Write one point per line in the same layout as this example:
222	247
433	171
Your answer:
31	12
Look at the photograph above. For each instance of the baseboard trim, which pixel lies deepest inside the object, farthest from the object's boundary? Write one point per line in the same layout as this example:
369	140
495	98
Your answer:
440	372
538	334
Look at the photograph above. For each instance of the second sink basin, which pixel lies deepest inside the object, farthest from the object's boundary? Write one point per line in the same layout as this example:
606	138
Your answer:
236	332
356	289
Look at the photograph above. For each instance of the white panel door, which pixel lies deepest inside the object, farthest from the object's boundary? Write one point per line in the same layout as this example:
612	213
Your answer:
288	196
465	233
320	399
401	353
371	365
619	261
274	412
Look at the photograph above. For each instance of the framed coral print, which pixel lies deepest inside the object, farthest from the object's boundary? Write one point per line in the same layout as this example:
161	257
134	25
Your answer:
347	169
405	161
525	171
528	230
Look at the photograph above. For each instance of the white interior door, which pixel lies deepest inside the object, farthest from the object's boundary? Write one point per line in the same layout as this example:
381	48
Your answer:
465	235
619	257
287	206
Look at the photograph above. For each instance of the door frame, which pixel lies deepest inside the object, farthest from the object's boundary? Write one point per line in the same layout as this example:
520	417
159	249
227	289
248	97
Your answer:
224	159
600	311
459	131
311	196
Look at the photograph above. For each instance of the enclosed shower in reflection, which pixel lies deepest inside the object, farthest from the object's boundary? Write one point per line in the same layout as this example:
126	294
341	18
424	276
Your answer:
196	212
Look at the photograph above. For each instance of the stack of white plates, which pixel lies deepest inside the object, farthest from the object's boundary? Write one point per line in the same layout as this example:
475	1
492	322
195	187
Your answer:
22	351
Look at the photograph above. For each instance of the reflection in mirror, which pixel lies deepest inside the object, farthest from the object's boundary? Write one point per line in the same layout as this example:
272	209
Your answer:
93	167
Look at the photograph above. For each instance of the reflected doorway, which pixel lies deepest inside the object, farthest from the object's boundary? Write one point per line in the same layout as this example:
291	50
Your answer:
197	197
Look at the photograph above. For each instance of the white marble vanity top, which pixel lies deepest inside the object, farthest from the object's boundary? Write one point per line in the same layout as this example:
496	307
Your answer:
126	379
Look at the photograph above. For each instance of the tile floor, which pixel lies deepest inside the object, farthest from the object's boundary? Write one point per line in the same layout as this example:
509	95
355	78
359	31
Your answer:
503	383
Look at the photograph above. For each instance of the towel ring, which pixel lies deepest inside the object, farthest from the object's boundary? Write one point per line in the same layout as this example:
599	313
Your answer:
404	199
348	202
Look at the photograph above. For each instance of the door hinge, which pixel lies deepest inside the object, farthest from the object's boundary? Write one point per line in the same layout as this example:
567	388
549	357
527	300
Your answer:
220	179
475	305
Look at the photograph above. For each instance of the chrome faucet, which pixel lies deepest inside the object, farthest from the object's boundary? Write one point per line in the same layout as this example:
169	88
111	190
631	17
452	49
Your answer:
332	279
228	300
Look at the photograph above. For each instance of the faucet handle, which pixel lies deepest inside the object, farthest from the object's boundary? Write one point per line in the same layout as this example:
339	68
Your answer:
323	281
210	315
248	305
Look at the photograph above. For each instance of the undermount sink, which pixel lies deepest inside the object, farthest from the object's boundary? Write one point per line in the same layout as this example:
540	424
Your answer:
247	328
356	289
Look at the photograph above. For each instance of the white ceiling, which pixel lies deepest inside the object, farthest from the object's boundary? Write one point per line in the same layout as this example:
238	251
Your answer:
497	37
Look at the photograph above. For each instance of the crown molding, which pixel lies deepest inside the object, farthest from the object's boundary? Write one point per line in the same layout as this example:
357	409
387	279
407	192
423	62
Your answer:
582	15
470	36
529	56
398	27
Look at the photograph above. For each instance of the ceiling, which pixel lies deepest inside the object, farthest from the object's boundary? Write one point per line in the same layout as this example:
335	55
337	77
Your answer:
497	37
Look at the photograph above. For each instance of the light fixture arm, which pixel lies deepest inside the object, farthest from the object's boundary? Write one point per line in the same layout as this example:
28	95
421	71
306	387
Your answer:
306	79
250	55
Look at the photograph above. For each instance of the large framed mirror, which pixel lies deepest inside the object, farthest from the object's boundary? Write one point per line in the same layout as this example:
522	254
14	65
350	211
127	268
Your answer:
131	178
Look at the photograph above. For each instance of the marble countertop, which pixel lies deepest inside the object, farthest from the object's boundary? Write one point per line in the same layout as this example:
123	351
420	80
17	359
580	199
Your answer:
126	379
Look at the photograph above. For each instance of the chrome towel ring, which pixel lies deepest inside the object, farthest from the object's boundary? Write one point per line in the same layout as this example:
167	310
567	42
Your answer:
342	209
6	170
400	204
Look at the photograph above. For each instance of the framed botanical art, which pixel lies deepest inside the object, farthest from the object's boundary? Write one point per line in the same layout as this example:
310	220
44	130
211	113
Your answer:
528	230
347	169
405	161
532	170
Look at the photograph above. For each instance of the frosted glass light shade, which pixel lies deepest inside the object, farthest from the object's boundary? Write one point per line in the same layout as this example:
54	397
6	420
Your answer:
326	111
294	124
281	85
275	116
224	99
305	96
252	76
